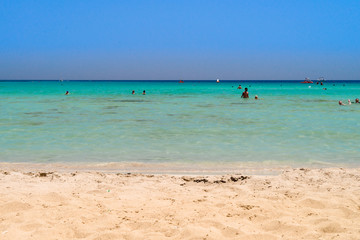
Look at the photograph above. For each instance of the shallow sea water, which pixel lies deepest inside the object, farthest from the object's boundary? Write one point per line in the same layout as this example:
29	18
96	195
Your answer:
195	123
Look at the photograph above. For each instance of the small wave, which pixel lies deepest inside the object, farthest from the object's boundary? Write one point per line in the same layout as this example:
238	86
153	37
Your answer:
205	105
238	103
316	100
129	100
143	120
34	113
33	123
116	120
47	101
111	107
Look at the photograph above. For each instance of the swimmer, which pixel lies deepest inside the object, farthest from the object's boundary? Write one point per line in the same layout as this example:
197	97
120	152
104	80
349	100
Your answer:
245	94
256	97
341	103
349	102
133	92
144	93
357	100
239	87
67	93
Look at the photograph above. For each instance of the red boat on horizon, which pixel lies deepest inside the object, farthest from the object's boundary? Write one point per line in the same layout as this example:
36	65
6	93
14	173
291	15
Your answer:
307	80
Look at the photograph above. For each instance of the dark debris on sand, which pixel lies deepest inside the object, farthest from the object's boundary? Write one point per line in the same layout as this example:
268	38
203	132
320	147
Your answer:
43	174
223	179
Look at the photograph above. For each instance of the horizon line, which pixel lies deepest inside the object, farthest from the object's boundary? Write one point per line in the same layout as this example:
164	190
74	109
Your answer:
158	80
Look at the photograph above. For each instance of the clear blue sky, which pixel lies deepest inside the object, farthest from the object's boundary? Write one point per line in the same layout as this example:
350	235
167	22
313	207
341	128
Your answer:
165	39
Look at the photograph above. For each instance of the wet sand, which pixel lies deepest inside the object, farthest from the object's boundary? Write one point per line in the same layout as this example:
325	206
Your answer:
296	204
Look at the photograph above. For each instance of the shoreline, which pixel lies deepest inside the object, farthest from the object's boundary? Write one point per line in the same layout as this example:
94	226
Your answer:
298	203
147	168
248	168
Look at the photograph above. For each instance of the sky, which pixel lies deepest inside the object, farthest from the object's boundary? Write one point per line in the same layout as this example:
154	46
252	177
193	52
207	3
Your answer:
171	40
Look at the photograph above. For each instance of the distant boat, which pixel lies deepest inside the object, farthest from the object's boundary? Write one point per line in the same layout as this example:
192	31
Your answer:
217	80
307	80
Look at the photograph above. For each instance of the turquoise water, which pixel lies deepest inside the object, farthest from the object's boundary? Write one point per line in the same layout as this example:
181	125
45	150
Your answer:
192	122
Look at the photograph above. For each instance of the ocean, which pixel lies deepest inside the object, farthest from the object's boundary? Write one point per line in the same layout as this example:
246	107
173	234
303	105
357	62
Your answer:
192	124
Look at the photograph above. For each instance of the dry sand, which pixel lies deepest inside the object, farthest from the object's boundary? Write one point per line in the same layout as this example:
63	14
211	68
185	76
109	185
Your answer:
297	204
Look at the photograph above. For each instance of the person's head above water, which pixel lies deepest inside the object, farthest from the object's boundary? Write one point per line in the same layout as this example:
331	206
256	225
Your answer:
256	97
133	92
357	100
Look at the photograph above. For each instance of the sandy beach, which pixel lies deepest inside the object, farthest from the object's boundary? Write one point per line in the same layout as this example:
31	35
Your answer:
296	204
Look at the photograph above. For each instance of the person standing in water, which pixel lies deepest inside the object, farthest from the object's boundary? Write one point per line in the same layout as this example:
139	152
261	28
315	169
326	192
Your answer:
67	93
144	93
245	94
133	92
